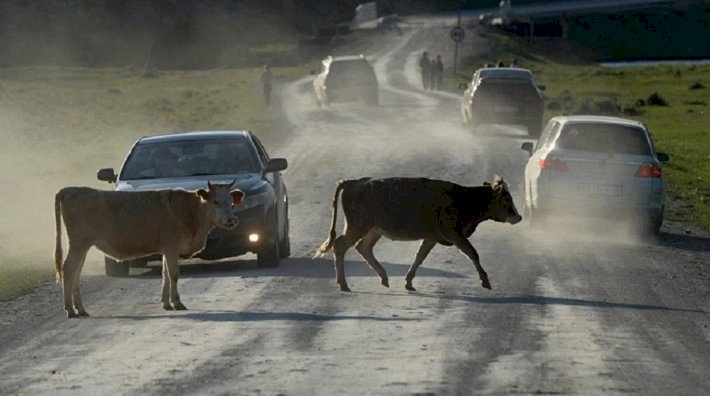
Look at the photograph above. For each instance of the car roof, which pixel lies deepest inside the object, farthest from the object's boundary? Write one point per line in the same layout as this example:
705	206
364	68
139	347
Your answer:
346	58
598	119
505	72
196	135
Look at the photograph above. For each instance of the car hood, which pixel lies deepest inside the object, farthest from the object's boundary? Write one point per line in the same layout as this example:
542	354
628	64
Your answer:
245	182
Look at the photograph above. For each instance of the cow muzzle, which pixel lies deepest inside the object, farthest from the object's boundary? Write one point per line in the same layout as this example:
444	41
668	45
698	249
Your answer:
515	219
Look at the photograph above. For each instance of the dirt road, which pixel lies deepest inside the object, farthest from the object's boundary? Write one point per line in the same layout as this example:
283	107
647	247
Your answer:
568	313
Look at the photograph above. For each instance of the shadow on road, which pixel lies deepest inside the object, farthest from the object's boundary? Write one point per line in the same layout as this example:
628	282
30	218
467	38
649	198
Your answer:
543	300
233	316
300	267
684	242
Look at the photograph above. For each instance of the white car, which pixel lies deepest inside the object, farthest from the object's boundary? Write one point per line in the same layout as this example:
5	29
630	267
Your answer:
595	166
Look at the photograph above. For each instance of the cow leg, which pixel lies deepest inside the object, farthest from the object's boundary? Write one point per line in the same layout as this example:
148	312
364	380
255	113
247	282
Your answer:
340	246
424	249
173	274
76	295
364	247
466	248
70	278
165	294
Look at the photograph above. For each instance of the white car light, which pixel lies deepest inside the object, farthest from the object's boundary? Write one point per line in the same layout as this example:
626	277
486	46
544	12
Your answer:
253	237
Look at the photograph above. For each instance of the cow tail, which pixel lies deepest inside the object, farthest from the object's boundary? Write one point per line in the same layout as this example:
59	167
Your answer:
58	237
328	244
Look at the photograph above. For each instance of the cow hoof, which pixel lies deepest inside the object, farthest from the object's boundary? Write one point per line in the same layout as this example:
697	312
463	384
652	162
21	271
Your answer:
486	284
72	314
410	288
344	288
179	307
385	282
83	313
167	307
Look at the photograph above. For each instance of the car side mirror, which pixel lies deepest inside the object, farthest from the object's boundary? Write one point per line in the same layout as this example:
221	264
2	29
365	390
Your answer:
663	157
541	87
463	86
527	146
276	165
107	175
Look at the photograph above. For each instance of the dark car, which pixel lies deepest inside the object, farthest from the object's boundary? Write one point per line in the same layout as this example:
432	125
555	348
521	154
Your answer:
189	161
345	79
503	95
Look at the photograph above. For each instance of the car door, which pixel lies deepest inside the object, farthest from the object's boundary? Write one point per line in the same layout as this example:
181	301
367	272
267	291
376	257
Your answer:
275	179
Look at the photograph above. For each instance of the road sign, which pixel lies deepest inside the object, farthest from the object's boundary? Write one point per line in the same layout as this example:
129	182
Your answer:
457	33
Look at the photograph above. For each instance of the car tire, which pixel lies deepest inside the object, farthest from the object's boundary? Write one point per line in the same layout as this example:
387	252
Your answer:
115	268
285	244
138	263
534	129
268	256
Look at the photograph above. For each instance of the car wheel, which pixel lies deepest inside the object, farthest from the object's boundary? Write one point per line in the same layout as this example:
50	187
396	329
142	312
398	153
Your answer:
534	129
138	263
115	268
268	256
285	244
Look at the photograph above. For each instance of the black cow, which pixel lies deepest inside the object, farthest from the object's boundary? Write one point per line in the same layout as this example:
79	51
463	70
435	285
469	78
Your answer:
409	209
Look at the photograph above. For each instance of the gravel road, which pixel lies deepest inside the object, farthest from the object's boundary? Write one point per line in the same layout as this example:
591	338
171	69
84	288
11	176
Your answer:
570	312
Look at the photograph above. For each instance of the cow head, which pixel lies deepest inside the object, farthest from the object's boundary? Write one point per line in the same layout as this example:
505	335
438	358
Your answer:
502	207
220	198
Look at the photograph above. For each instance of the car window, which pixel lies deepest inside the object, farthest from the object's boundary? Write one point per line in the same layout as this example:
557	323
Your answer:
261	151
190	158
507	89
350	72
604	138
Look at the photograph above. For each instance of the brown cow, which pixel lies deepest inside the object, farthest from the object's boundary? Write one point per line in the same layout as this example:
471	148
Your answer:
128	225
409	209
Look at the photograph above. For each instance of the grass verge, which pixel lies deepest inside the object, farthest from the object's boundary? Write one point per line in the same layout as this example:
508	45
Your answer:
575	85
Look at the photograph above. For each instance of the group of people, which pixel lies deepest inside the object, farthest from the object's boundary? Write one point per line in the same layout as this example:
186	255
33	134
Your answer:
432	72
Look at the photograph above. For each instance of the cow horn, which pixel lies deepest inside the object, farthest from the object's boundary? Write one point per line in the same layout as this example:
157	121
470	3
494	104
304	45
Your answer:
232	183
209	185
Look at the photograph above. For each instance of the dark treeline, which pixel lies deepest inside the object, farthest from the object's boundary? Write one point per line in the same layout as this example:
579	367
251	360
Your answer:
168	33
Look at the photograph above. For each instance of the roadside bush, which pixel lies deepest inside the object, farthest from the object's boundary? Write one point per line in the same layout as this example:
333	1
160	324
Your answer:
697	85
655	99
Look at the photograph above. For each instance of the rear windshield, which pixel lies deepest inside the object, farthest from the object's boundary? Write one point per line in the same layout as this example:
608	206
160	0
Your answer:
604	138
351	72
512	88
190	158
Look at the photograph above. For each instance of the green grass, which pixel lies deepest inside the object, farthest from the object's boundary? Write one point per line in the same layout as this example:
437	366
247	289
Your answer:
62	124
575	85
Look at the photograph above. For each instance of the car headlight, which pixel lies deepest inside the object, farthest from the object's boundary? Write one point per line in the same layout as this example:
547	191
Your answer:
252	201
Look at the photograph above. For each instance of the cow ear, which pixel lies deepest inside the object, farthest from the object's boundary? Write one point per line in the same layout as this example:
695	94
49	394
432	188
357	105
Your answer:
497	188
237	196
204	194
485	183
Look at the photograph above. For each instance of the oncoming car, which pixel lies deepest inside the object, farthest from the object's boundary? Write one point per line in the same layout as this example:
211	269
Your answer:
344	79
188	161
597	167
503	95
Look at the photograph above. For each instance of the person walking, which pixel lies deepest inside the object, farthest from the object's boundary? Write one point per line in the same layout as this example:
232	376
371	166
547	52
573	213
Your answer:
424	66
266	80
439	73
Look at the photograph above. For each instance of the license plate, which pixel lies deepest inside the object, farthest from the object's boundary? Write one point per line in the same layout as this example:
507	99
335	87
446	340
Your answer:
602	189
505	109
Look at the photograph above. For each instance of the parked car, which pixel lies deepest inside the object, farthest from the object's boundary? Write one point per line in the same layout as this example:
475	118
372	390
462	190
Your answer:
344	79
595	166
189	161
503	95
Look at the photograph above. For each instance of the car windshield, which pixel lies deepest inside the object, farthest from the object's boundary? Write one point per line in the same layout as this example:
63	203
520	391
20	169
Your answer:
352	72
190	158
604	138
